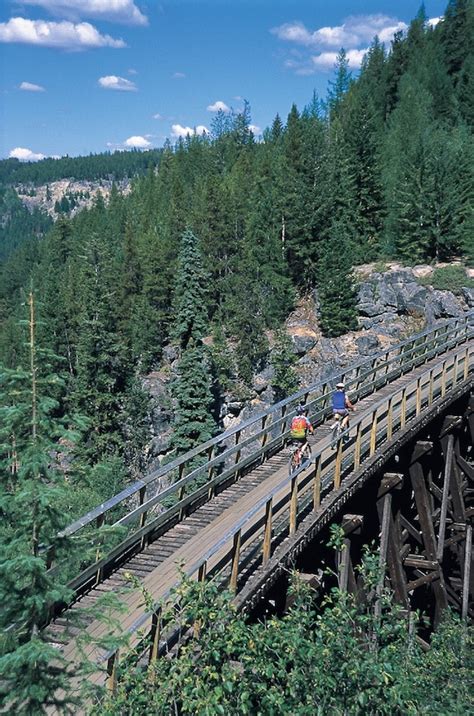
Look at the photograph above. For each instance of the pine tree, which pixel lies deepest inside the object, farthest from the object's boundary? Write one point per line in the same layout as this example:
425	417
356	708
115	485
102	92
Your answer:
193	423
283	359
33	675
336	288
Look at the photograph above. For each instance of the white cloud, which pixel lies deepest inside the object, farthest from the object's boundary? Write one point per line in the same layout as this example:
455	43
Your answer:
26	155
433	21
353	31
354	34
112	82
219	105
178	75
254	129
31	87
327	60
177	130
123	11
157	116
137	142
65	35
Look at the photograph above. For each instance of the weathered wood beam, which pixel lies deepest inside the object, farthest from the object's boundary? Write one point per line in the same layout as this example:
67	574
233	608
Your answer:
386	514
467	572
415	560
448	461
467	469
411	529
425	579
390	481
352	524
424	515
422	447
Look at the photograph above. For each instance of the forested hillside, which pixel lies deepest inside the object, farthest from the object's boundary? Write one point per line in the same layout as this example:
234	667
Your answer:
226	231
204	259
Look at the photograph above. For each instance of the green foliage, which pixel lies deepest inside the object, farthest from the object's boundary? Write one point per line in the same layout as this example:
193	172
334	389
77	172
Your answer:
283	359
336	656
448	278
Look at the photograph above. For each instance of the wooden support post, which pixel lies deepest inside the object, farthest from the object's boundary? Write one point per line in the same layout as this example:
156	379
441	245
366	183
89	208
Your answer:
155	635
418	397
317	484
467	572
430	389
181	494
427	531
202	571
373	434
265	434
237	452
267	539
443	380
466	364
293	505
344	560
283	422
448	461
403	409
386	513
357	446
338	464
390	419
112	671
235	562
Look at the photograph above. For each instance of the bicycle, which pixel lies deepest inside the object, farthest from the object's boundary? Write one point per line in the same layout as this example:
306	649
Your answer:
297	457
337	431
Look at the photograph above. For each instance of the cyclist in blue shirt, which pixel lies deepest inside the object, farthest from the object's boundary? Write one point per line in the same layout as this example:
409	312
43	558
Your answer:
341	404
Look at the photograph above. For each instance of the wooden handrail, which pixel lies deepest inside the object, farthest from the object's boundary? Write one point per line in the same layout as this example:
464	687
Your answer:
264	505
435	341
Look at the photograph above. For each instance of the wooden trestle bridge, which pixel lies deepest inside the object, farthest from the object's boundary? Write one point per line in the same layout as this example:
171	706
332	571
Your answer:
405	477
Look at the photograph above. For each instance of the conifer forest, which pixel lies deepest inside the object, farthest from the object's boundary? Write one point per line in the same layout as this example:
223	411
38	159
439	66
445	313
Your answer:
208	252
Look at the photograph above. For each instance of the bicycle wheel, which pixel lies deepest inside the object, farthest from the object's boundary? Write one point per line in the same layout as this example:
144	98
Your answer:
294	461
335	433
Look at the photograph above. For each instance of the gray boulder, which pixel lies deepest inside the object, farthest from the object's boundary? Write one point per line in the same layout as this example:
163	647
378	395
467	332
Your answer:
468	295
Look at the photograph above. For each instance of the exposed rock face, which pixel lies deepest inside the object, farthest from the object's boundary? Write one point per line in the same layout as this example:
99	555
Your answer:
392	305
81	192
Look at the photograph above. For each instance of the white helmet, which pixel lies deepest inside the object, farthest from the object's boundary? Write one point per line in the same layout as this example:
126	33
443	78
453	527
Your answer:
340	386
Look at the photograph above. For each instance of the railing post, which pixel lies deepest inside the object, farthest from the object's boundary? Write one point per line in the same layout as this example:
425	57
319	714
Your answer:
430	389
235	562
141	500
403	409
181	494
293	504
112	671
357	446
390	419
283	422
373	434
154	642
466	364
202	571
99	522
317	484
337	467
265	434
418	397
443	380
267	539
237	441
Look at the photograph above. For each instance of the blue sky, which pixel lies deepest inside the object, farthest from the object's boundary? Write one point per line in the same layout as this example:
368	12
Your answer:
80	76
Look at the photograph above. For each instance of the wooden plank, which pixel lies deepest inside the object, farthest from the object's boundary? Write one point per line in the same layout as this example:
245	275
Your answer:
426	579
415	560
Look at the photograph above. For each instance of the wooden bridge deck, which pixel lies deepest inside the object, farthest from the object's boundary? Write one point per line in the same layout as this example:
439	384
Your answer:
185	544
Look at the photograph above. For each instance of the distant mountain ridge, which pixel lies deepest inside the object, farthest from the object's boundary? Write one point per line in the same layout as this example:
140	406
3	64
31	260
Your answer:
107	165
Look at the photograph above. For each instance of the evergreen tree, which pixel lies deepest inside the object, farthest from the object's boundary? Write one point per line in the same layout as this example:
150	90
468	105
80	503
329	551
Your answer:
33	675
283	359
193	422
336	288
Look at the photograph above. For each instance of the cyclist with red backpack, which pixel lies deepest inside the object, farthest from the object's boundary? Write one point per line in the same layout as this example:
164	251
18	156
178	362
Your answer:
300	426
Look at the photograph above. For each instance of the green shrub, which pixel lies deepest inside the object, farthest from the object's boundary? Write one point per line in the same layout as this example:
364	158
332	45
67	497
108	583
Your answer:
448	278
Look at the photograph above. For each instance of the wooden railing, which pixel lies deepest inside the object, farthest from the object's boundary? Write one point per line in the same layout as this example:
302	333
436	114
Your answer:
229	455
281	510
